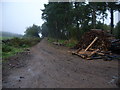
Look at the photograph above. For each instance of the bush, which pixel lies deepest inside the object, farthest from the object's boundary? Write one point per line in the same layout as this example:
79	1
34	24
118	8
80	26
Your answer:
12	46
24	42
117	30
6	48
30	41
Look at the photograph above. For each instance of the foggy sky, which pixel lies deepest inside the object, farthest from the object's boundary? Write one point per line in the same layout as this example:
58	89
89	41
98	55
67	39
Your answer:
17	16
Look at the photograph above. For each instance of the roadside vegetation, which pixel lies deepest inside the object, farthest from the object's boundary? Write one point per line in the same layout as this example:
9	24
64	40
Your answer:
68	43
13	45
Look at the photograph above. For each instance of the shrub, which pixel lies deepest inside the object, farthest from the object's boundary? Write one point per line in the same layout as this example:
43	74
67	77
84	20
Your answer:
117	30
6	48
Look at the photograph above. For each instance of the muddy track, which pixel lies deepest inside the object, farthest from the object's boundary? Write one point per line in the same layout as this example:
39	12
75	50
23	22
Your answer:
52	66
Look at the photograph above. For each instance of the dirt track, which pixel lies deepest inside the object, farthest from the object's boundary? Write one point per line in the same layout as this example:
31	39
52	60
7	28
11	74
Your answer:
53	67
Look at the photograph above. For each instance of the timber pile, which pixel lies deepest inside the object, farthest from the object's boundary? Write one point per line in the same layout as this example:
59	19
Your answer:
115	46
94	45
103	42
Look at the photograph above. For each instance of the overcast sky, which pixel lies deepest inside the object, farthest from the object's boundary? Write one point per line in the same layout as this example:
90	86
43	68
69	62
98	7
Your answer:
17	15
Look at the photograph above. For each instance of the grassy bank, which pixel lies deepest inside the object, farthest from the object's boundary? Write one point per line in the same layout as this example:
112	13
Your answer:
11	46
68	43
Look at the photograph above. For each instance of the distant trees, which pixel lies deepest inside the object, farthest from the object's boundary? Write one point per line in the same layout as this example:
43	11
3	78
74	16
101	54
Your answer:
32	31
117	30
71	19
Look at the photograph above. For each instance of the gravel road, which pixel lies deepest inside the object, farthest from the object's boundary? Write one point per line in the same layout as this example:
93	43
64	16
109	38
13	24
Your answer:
51	66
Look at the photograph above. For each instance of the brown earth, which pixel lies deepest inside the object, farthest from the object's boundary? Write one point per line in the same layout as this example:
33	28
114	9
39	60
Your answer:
50	66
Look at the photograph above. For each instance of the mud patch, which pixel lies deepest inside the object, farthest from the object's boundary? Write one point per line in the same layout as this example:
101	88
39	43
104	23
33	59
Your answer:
15	62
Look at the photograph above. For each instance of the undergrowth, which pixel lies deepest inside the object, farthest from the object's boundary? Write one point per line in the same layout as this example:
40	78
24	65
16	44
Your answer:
11	46
68	43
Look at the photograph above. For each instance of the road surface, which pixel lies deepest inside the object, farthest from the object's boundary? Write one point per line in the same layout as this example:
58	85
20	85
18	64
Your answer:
51	66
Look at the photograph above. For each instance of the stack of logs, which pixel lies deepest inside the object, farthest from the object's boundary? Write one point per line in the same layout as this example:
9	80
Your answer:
94	45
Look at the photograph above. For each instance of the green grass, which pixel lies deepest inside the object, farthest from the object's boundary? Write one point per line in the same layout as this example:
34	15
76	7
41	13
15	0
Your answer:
11	52
71	44
15	45
51	40
61	41
68	43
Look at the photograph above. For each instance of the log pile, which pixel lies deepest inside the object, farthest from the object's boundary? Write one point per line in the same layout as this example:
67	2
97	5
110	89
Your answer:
94	44
103	42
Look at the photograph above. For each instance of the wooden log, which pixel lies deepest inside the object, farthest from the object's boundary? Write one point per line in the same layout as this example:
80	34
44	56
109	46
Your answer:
91	43
96	57
91	49
85	52
89	58
100	53
93	52
82	56
73	53
78	50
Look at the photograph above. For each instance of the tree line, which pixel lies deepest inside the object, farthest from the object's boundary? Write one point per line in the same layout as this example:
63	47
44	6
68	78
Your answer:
71	19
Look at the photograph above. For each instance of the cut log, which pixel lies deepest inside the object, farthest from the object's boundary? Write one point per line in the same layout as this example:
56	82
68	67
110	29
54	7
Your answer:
91	43
102	54
78	50
92	53
82	55
85	52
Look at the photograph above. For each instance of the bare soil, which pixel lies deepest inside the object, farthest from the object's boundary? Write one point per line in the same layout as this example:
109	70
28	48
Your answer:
50	66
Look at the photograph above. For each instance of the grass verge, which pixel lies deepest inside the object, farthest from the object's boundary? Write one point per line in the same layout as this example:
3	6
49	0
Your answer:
15	45
68	43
